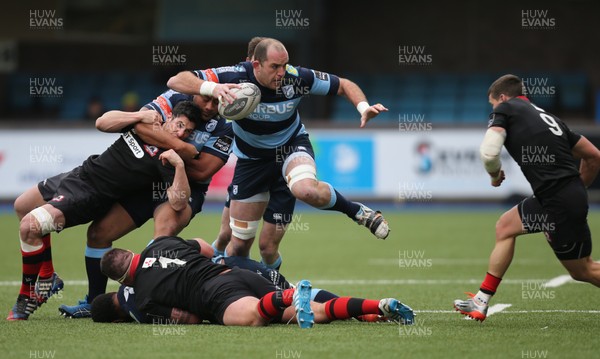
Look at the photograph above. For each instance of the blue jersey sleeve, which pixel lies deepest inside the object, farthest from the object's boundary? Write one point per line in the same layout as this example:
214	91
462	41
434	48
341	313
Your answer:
319	83
165	102
216	138
225	74
126	297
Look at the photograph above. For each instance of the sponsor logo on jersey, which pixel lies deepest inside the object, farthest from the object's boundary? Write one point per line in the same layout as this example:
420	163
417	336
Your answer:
288	91
220	70
127	291
166	109
209	75
223	144
151	150
198	138
234	189
276	108
211	125
291	70
321	75
133	144
58	198
148	262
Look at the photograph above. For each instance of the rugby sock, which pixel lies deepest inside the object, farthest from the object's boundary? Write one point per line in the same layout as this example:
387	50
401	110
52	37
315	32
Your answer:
275	265
274	303
47	268
216	251
321	295
347	307
96	280
488	288
338	202
33	256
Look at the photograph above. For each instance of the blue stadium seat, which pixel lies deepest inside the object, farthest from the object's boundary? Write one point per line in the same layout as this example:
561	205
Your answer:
572	91
19	96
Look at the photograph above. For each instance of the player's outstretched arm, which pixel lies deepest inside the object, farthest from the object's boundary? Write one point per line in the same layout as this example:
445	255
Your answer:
590	160
187	82
151	134
179	191
115	121
356	96
181	316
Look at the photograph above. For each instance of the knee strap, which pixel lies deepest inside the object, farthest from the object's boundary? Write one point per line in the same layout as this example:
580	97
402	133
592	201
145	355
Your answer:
243	229
299	173
45	220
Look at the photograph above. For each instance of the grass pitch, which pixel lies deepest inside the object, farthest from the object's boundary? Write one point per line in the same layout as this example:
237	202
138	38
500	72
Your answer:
429	259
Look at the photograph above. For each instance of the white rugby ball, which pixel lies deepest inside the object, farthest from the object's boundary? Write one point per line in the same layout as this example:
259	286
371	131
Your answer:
248	97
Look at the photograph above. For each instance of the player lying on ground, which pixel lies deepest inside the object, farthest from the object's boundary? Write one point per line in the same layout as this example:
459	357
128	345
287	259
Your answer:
211	140
173	281
120	306
559	205
272	142
87	193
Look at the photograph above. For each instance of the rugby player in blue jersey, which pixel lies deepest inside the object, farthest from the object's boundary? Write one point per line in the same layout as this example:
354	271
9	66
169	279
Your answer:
211	141
277	216
272	142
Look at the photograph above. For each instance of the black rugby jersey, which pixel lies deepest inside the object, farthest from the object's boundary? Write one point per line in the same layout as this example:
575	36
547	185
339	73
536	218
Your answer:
170	274
125	166
539	142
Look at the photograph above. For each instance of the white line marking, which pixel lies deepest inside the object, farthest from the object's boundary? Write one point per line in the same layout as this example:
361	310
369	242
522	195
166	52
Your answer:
445	261
558	281
14	283
477	281
497	308
326	282
516	311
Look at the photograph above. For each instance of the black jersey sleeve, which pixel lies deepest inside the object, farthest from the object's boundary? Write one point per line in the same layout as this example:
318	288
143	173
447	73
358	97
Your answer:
500	115
156	313
572	137
194	244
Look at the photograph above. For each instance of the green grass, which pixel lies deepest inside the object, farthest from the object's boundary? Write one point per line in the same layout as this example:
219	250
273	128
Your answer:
328	248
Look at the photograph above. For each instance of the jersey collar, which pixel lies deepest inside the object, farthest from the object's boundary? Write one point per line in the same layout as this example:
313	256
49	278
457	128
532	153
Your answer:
134	264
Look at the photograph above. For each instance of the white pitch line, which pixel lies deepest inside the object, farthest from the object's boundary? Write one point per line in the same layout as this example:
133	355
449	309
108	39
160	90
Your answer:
14	283
326	282
476	281
516	311
494	309
497	308
558	281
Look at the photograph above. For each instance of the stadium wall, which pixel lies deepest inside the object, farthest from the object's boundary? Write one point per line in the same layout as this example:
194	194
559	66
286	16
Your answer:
415	166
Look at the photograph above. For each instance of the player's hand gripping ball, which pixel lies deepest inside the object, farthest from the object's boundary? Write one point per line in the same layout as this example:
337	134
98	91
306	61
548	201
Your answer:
248	97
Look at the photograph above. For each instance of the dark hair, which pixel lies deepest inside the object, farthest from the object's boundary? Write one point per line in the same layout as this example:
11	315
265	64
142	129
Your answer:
189	110
113	263
104	309
252	45
509	85
260	52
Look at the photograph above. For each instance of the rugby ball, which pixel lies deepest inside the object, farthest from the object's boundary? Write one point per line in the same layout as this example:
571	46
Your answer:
248	97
